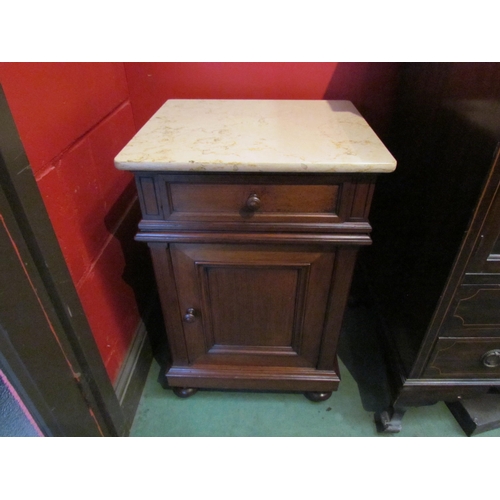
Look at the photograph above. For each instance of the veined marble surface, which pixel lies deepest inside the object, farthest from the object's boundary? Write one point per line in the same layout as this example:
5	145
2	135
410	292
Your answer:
256	136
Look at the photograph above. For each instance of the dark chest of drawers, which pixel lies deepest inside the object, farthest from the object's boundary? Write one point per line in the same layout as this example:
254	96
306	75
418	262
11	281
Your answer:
435	264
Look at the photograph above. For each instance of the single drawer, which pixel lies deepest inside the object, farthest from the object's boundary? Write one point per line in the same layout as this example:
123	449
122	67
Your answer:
255	202
475	310
256	198
237	201
464	358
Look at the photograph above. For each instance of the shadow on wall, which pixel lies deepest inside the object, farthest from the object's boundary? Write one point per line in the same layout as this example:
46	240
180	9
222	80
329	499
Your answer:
138	271
360	349
371	87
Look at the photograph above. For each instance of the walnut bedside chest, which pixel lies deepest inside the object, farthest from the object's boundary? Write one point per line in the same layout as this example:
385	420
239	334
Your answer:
254	211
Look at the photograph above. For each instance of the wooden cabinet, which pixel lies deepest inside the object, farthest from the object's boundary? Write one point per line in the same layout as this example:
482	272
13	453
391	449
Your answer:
437	289
254	296
253	268
253	316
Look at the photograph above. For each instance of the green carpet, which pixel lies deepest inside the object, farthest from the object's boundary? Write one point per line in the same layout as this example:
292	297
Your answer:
349	412
218	413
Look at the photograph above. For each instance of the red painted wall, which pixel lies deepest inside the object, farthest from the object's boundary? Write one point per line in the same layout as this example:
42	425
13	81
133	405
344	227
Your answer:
370	86
73	118
151	84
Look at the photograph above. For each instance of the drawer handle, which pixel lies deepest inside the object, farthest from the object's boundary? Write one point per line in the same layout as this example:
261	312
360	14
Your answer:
253	202
190	317
491	359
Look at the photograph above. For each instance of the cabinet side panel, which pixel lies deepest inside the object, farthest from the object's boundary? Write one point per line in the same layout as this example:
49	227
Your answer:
170	306
339	292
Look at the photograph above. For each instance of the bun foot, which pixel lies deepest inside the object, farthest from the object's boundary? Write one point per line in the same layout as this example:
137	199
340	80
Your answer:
184	392
317	397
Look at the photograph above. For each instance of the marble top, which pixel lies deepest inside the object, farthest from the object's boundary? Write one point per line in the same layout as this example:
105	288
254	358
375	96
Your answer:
256	136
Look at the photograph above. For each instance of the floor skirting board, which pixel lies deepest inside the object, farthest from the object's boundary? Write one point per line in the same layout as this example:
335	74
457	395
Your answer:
133	374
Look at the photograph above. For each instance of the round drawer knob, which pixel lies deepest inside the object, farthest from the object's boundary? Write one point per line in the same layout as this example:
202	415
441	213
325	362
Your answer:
491	359
189	317
253	202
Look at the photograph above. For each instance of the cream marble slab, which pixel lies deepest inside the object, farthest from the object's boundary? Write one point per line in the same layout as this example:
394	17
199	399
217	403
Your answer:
256	136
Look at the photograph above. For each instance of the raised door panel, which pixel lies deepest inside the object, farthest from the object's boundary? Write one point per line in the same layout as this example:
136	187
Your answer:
253	305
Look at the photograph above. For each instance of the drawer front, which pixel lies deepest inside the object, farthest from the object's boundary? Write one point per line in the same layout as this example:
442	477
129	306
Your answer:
465	358
475	310
307	203
245	200
252	202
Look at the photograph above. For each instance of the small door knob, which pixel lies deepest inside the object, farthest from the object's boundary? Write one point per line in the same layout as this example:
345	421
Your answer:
253	202
491	359
189	317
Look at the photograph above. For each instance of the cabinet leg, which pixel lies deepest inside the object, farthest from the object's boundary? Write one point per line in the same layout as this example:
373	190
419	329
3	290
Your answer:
184	392
389	420
317	397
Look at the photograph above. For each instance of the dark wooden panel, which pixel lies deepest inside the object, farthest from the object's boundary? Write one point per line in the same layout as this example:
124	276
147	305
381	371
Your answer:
256	378
362	200
436	227
479	306
288	203
251	238
462	358
170	305
478	414
484	258
337	300
232	198
461	304
251	225
421	213
149	197
147	186
427	391
330	203
251	356
496	249
252	304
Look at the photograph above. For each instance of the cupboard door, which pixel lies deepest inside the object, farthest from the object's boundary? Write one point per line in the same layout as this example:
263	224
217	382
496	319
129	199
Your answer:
253	305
